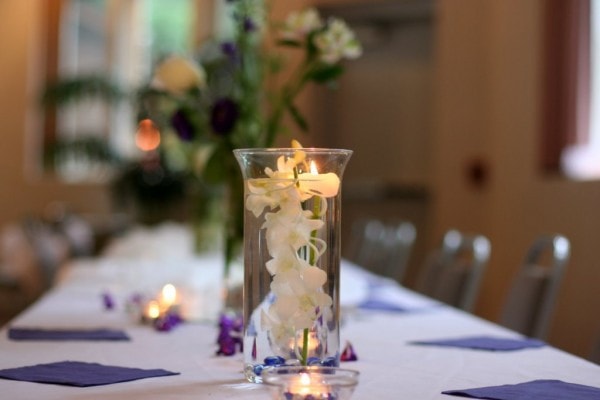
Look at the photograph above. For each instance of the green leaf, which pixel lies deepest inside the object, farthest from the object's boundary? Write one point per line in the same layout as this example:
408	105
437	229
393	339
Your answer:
215	170
298	117
326	73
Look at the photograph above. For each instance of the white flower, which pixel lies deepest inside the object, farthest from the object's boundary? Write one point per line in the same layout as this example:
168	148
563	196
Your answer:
284	260
177	74
269	193
337	42
299	24
299	297
314	278
290	231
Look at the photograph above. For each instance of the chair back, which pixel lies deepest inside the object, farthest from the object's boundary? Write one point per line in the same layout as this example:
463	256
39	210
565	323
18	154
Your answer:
383	248
453	272
532	295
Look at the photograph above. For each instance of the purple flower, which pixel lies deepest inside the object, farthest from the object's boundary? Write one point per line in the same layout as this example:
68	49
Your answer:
249	25
348	354
183	126
230	50
224	115
108	301
167	322
230	335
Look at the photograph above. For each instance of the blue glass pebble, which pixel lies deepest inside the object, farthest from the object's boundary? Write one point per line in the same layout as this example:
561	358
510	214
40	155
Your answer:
258	369
313	361
329	362
274	361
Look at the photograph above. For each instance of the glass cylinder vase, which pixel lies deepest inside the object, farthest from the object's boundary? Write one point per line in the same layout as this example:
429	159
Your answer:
292	215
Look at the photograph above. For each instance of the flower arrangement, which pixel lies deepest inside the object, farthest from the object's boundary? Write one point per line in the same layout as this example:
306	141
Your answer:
292	242
209	105
291	256
224	98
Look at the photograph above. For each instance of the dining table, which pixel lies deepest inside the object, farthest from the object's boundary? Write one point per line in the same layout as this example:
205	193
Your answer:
389	327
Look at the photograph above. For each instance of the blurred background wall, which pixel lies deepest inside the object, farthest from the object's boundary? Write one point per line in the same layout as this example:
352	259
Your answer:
476	169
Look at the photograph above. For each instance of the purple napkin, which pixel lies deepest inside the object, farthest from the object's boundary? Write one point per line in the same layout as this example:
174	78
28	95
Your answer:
80	374
486	343
376	304
533	390
66	334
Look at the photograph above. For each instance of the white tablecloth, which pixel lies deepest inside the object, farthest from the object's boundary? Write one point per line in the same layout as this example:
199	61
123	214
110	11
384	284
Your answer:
390	367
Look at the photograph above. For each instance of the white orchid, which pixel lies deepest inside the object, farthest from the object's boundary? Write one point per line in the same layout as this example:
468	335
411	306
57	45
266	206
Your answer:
337	42
290	231
299	24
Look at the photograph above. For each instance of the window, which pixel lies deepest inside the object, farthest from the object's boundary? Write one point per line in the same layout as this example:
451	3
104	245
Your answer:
582	159
571	98
94	41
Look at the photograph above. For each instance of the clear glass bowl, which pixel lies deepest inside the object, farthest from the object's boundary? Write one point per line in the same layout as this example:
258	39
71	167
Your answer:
310	383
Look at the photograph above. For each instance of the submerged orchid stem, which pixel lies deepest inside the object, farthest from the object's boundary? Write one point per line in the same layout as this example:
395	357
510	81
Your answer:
312	260
304	358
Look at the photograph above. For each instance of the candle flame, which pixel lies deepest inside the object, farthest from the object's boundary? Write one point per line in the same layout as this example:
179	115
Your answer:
153	310
304	379
169	294
313	168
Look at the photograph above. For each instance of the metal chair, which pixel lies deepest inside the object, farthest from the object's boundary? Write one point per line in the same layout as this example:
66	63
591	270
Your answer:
453	272
532	296
383	248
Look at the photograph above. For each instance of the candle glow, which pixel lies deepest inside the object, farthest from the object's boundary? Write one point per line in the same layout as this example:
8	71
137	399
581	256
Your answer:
307	387
153	310
313	168
169	295
324	185
305	383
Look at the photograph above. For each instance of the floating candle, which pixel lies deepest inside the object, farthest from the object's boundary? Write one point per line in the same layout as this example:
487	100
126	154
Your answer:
152	310
310	383
168	295
305	386
324	185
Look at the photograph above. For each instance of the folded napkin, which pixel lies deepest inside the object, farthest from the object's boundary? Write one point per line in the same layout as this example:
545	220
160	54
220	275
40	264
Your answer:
382	305
533	390
66	334
81	374
486	343
387	296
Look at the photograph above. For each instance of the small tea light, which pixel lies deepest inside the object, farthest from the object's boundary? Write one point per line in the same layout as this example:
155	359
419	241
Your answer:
152	310
304	386
310	383
163	311
168	296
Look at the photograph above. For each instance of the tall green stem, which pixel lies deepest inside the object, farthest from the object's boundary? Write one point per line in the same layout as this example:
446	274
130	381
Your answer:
312	260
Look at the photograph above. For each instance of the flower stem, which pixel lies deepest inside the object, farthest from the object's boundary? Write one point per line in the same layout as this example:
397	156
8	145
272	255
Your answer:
304	359
286	98
316	214
312	260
